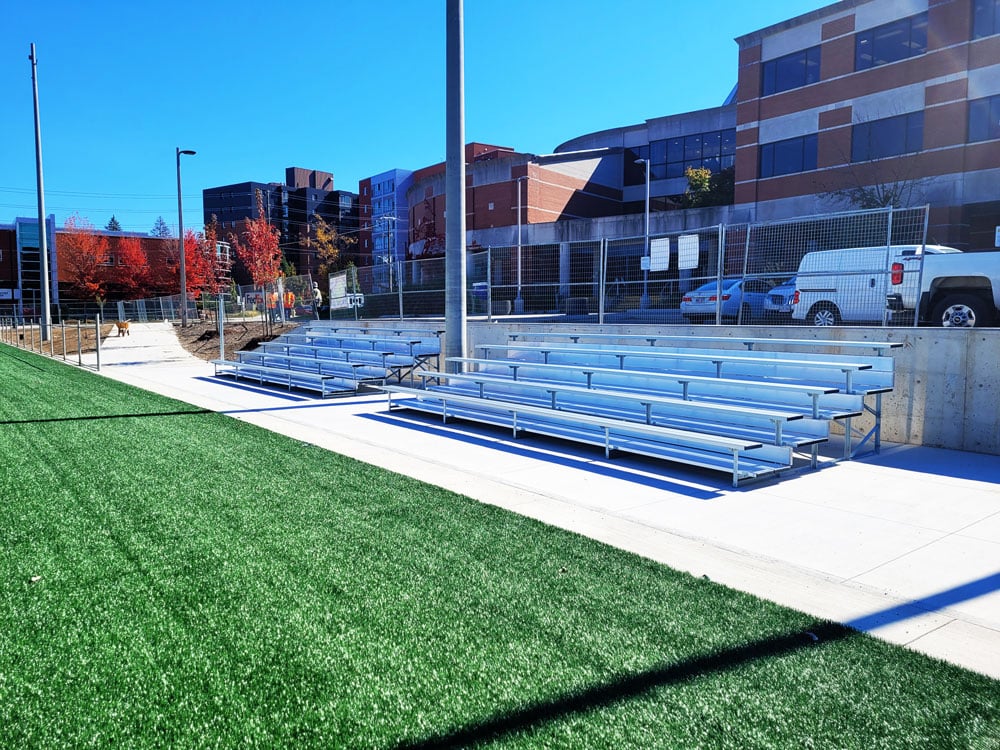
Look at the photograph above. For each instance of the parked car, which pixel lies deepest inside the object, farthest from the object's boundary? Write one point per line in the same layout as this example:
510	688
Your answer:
778	304
742	299
850	285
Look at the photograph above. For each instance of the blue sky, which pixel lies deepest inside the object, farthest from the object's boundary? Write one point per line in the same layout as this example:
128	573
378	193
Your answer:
353	88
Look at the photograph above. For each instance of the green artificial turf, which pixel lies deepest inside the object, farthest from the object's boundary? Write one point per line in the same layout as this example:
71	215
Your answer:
176	578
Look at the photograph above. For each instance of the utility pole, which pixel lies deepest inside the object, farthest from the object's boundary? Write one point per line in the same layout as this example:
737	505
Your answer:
43	244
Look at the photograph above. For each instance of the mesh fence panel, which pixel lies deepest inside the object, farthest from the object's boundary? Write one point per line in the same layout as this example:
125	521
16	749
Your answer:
836	266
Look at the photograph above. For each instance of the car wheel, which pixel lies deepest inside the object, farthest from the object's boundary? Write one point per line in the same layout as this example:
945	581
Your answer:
824	314
962	311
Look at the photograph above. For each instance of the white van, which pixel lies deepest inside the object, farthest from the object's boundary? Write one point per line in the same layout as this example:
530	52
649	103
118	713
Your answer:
848	286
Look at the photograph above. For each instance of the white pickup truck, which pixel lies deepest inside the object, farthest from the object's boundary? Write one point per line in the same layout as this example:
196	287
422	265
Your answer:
956	289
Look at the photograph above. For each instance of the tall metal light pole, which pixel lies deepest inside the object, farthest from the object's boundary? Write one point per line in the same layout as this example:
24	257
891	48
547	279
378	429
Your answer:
644	300
43	245
180	241
518	301
455	304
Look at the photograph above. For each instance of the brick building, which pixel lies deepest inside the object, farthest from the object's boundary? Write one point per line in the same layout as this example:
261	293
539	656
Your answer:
875	94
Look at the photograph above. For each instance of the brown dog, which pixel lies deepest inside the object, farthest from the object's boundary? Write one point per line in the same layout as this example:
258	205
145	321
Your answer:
122	328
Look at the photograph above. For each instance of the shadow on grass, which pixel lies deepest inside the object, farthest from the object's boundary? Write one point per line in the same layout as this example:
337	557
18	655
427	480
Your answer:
632	686
635	686
193	413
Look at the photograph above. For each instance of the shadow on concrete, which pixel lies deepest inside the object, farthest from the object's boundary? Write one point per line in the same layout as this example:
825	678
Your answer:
933	603
483	436
980	467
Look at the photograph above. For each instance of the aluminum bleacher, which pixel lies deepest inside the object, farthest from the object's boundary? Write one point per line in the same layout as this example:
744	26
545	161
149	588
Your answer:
776	405
334	361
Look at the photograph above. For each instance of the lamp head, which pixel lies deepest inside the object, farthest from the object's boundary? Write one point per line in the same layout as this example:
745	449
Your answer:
186	152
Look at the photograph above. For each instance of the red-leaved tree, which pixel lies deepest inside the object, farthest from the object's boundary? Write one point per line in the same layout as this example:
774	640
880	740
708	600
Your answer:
131	274
198	266
257	247
84	256
259	251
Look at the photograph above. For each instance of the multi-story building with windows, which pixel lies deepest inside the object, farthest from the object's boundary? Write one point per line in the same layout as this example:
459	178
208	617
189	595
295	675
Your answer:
384	220
856	103
291	207
865	98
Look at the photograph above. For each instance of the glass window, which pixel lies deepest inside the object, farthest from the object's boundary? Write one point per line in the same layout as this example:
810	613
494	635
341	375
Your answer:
658	152
790	71
984	119
633	173
788	157
729	141
891	136
891	42
985	18
710	144
671	157
692	147
675	149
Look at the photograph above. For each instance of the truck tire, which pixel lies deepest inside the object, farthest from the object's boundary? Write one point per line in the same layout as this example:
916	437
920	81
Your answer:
962	311
824	314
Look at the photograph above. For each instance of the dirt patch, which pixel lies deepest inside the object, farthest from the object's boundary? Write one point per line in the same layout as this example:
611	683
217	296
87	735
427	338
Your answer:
202	339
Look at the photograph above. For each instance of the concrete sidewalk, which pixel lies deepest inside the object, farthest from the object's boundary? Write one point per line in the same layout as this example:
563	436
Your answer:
905	544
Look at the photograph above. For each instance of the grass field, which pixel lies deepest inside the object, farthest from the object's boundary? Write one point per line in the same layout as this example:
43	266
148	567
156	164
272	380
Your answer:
175	578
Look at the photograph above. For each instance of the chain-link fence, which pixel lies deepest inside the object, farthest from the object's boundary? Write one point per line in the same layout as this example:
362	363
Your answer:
822	270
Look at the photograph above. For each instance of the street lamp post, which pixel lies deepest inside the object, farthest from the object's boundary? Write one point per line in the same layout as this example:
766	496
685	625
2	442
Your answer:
518	300
644	300
180	241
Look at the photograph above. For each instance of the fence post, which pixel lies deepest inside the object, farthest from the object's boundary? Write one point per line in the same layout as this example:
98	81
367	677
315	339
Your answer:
399	285
79	344
63	324
746	265
97	339
888	265
222	328
719	274
602	277
489	284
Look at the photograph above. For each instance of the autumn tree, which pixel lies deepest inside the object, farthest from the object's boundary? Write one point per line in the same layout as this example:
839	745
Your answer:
84	256
331	246
708	188
257	247
160	228
113	225
199	268
131	274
